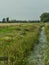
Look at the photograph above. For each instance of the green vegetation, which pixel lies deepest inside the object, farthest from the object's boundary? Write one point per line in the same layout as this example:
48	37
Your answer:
16	41
47	34
44	17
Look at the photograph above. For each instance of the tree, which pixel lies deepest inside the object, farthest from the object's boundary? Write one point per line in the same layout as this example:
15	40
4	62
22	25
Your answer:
44	17
3	20
7	19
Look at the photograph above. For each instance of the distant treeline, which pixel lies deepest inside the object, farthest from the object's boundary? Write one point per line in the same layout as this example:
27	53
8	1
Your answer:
43	18
19	21
6	20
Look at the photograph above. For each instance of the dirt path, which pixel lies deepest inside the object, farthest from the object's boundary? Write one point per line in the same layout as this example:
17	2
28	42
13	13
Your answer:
38	55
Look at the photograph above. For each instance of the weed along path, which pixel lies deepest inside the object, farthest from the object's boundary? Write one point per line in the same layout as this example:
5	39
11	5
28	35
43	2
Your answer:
38	55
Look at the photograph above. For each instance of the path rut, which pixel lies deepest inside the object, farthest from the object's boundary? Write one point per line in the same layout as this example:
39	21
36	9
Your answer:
38	55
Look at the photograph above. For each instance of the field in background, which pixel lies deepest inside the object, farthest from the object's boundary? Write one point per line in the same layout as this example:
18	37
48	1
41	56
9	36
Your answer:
17	40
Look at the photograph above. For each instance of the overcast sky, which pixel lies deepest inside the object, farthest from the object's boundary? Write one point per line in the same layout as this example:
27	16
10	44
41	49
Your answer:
23	9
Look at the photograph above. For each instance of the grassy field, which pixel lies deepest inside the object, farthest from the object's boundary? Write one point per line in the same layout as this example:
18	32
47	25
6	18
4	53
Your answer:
47	35
17	40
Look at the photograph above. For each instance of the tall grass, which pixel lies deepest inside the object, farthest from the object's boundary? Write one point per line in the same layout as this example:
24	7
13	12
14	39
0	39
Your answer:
47	35
17	41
